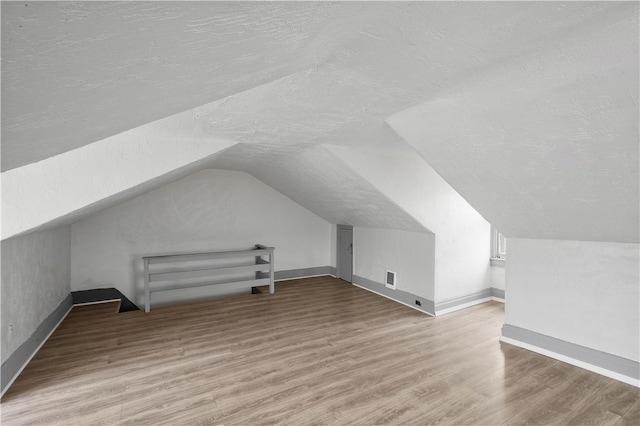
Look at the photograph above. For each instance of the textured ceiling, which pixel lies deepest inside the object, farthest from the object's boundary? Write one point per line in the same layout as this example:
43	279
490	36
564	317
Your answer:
74	73
527	109
351	200
550	140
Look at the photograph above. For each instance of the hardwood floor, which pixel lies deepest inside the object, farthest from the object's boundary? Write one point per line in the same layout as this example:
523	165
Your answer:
319	351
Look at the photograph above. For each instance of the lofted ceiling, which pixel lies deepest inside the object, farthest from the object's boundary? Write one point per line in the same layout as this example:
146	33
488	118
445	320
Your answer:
296	174
550	140
529	110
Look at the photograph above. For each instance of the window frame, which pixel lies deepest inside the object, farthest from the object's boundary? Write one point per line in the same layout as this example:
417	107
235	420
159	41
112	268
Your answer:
498	248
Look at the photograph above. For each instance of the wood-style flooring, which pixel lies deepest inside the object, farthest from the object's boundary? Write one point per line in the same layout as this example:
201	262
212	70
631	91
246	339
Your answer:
319	351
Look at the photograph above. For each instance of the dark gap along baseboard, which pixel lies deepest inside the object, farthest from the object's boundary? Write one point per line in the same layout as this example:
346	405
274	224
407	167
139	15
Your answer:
101	295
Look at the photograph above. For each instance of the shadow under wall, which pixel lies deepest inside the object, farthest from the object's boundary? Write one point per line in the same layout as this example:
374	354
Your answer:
101	295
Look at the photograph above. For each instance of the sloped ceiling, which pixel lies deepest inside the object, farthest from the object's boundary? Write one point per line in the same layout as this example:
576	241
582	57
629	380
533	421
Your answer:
549	140
457	81
77	72
333	191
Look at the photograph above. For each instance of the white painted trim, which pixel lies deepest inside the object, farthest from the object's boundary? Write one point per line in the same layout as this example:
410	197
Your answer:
572	361
462	306
395	300
497	299
13	379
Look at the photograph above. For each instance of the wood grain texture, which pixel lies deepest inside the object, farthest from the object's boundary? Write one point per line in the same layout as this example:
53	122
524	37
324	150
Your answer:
319	351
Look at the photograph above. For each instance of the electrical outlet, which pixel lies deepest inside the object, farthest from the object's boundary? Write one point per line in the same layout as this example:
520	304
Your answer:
10	328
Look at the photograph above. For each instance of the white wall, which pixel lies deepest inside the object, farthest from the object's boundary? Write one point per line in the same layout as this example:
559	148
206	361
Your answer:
409	254
497	279
207	211
462	236
35	280
585	293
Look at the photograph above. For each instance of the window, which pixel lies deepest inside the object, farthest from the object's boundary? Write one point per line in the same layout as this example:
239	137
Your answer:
498	247
502	246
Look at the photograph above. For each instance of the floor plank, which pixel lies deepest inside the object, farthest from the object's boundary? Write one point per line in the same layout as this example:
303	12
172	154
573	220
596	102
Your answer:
318	351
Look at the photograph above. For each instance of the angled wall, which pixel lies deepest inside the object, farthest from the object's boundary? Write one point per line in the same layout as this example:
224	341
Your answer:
461	234
100	174
35	293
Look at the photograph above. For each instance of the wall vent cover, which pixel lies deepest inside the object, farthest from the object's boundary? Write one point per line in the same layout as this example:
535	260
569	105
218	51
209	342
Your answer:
391	280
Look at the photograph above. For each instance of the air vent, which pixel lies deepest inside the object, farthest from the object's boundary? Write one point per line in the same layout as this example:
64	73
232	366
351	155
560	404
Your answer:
391	280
